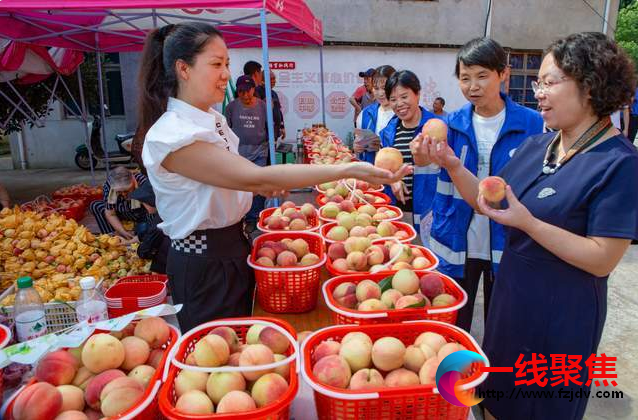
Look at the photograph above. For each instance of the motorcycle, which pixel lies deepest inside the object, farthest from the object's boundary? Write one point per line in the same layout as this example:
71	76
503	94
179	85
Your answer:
121	156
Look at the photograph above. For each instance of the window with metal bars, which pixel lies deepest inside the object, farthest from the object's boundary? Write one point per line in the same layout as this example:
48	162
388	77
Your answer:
524	70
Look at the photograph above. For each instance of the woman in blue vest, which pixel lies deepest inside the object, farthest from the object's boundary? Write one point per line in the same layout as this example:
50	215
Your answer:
571	211
375	116
484	134
403	90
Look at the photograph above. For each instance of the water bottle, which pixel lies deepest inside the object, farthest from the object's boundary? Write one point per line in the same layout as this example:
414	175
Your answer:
29	311
91	306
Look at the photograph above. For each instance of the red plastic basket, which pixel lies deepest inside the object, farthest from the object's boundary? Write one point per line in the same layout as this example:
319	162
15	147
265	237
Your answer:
313	221
323	231
434	262
147	408
125	297
278	410
146	278
322	200
5	338
388	206
410	402
288	289
342	316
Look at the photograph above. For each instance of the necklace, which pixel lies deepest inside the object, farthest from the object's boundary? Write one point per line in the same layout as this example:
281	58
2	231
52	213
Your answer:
589	137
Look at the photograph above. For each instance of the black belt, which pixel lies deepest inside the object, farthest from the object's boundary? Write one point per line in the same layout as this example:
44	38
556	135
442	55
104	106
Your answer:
229	241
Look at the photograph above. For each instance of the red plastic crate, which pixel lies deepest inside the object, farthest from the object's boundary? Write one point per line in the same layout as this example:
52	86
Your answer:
341	315
148	407
322	200
313	221
323	231
434	262
288	289
278	410
410	402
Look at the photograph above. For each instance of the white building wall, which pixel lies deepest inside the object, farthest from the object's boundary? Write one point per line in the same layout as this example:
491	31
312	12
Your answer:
53	146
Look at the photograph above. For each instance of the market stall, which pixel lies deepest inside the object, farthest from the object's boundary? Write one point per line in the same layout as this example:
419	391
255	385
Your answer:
345	267
103	26
351	320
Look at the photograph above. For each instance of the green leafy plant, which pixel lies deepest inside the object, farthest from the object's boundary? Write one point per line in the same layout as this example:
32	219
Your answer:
627	29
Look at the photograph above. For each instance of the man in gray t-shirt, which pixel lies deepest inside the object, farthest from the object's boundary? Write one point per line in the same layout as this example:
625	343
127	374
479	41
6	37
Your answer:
246	115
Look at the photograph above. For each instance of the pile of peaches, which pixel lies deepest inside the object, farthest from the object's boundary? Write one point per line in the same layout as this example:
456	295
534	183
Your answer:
357	363
105	377
403	290
289	217
286	253
233	392
357	254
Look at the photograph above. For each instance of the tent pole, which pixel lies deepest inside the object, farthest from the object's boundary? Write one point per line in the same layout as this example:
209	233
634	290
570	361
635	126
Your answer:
269	117
100	85
21	147
85	120
323	93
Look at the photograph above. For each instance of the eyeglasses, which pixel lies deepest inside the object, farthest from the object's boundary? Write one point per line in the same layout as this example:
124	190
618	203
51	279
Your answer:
546	86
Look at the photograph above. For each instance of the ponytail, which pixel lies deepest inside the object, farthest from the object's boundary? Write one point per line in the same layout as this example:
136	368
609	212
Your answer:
157	77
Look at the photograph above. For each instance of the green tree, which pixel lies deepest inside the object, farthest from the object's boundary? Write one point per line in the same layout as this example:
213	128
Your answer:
627	29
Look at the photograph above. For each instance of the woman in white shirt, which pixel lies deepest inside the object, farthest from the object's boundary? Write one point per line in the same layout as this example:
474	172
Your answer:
203	187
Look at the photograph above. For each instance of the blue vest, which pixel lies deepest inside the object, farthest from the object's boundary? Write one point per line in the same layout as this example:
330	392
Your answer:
451	214
369	121
423	186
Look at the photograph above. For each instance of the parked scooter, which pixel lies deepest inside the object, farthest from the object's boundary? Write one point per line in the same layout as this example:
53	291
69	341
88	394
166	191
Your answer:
121	156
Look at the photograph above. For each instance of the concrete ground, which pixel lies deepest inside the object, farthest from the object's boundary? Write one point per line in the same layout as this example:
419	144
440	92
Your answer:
620	337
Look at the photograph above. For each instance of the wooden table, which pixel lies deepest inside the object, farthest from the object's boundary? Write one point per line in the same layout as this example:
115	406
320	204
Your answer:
317	318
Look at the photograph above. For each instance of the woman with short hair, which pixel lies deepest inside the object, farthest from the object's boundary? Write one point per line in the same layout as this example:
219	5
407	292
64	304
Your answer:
403	90
484	135
117	205
571	213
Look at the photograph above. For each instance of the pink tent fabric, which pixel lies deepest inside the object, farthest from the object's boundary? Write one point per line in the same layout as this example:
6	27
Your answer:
120	25
27	63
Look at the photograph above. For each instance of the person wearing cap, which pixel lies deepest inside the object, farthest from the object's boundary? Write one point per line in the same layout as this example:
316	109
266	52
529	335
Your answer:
117	205
363	96
246	116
